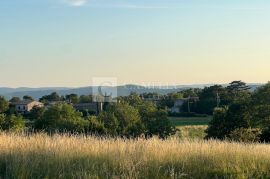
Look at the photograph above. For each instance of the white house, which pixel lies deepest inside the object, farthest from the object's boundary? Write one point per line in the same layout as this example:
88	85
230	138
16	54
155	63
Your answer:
26	106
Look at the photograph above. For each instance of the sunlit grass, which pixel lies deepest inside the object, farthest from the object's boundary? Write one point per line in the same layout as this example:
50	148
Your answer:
41	156
192	132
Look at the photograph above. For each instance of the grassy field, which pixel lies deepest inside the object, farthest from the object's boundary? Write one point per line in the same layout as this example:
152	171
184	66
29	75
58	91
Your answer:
192	132
190	121
41	156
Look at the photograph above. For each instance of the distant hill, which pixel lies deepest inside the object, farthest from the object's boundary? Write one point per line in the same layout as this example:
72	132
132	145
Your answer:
125	90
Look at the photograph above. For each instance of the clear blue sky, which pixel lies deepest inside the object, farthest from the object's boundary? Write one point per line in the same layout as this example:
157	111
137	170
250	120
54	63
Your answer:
67	42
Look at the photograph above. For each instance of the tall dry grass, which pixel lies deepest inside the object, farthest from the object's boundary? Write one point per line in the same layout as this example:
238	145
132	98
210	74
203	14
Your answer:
192	132
41	156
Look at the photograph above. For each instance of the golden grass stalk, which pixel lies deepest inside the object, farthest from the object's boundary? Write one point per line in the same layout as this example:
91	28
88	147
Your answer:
60	156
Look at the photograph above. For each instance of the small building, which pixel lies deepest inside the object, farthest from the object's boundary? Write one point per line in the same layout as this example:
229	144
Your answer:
177	105
93	107
26	106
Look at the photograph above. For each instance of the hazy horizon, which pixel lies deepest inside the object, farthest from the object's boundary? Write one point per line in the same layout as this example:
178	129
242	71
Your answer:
126	84
179	42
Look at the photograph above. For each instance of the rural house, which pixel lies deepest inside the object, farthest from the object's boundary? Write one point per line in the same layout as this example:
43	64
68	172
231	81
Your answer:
26	106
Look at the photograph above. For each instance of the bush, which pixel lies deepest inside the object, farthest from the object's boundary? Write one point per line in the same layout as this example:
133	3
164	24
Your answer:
217	127
110	122
12	123
156	121
227	119
35	114
122	120
245	135
3	104
94	126
265	136
61	118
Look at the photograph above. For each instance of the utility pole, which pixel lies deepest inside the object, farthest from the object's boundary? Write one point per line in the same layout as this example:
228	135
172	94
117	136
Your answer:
218	99
188	104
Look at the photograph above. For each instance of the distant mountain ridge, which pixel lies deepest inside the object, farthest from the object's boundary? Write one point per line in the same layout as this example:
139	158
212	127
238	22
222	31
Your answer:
124	90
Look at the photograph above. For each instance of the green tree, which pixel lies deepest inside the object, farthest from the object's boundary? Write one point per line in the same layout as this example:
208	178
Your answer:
15	100
261	110
86	99
133	99
227	119
245	117
261	95
2	119
61	118
12	123
150	95
236	87
126	119
238	90
3	104
28	98
95	126
50	98
240	115
110	123
211	97
156	121
168	100
218	126
36	113
192	92
72	98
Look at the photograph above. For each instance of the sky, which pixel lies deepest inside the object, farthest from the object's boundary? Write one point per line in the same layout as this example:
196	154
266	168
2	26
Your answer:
48	43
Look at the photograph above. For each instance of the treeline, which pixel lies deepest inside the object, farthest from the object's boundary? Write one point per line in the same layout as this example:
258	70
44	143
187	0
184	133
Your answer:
245	118
131	117
204	101
199	101
55	97
238	113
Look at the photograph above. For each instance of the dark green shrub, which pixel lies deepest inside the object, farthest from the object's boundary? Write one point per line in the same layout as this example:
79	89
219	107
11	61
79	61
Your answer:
265	136
122	120
12	123
61	118
217	127
95	126
3	104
